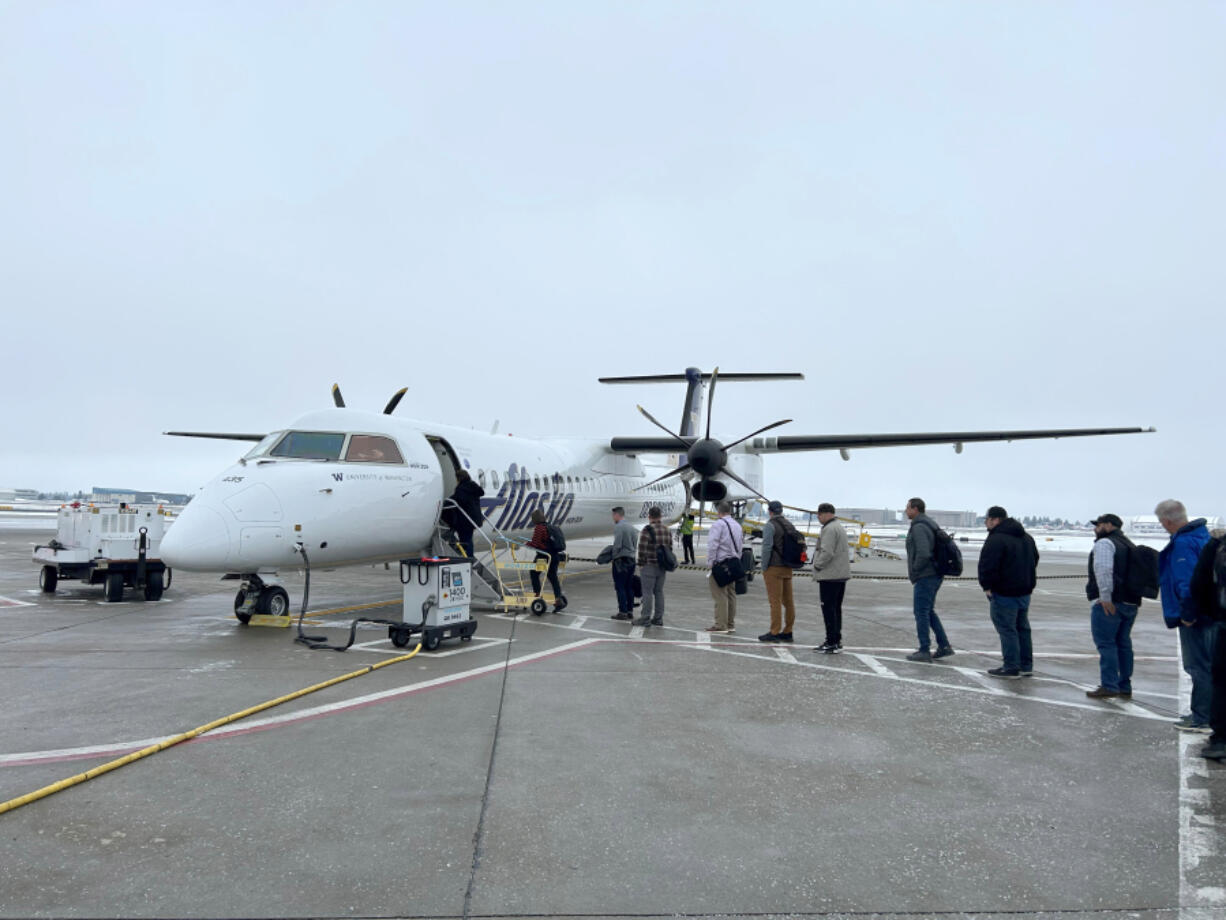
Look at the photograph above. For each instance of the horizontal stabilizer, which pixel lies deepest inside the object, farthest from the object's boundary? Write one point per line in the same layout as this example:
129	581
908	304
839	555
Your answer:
800	442
683	378
218	435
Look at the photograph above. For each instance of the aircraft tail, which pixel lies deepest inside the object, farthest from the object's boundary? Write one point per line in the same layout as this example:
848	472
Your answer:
695	380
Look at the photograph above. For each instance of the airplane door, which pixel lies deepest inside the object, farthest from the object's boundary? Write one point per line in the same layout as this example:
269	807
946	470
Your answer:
448	462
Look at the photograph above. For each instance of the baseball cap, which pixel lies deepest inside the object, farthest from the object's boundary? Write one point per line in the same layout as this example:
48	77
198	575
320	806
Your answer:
775	507
1108	519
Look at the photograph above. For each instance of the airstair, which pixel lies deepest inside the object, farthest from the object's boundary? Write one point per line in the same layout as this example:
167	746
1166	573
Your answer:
502	564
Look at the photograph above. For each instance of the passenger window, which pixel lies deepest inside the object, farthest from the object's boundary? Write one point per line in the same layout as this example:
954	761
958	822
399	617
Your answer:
494	477
310	445
369	448
481	478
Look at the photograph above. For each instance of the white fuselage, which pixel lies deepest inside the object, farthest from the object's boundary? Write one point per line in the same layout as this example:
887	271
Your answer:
254	516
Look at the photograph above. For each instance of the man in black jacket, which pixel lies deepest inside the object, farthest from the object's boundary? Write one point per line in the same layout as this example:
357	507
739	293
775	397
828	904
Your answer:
466	516
1007	567
1208	596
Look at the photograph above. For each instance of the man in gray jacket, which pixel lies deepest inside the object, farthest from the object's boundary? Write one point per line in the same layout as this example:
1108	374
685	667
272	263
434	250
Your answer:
922	570
831	571
625	553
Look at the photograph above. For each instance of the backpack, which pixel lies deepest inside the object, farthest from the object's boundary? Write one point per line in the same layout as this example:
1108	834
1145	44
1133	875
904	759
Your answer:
1141	579
1219	573
556	538
946	556
792	548
666	559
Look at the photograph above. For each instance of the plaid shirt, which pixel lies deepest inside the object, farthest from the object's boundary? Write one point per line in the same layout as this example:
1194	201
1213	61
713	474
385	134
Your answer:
653	535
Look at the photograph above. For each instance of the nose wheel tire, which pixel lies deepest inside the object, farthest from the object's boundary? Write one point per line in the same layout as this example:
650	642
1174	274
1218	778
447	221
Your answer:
240	601
274	602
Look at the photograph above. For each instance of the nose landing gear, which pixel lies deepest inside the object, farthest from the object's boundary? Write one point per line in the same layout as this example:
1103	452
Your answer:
257	597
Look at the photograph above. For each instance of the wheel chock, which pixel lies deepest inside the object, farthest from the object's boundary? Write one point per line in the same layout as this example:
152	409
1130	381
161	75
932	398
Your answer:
267	619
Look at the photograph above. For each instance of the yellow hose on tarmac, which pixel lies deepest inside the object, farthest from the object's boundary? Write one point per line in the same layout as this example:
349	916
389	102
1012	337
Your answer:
12	804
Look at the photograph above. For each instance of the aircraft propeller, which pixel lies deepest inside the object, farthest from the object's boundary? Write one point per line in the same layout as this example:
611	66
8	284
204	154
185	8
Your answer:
387	410
706	456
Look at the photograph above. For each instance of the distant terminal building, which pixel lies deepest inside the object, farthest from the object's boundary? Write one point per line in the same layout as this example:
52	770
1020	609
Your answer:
870	515
959	519
100	495
1147	525
18	495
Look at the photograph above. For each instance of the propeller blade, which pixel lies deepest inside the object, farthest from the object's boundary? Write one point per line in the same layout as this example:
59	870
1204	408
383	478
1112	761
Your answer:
711	400
654	421
731	475
395	401
336	396
759	431
680	469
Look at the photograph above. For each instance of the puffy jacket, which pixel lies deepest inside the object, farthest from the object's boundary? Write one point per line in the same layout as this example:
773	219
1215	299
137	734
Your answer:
830	560
921	548
1008	560
1176	563
1206	597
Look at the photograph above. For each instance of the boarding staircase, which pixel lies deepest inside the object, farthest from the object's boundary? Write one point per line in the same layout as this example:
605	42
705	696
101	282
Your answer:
499	569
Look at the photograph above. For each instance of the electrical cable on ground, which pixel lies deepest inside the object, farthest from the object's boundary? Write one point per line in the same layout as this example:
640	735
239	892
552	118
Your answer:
68	783
479	833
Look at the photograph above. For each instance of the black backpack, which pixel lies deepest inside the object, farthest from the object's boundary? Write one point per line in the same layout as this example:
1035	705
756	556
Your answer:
1219	573
792	547
946	556
1141	579
556	537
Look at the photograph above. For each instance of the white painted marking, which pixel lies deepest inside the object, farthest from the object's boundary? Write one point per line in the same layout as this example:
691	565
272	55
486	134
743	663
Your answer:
1198	834
636	632
873	663
385	647
578	623
703	638
982	679
784	654
246	726
10	602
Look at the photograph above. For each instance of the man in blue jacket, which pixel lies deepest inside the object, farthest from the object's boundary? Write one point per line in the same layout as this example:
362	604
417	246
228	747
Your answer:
1197	632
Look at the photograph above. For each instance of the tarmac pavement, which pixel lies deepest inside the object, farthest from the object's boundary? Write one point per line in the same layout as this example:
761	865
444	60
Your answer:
572	765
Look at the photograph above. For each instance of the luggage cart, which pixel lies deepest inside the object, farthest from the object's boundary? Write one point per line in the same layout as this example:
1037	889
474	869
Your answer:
512	572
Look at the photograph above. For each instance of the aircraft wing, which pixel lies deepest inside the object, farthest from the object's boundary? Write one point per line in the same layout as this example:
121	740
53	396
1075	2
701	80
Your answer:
787	443
219	435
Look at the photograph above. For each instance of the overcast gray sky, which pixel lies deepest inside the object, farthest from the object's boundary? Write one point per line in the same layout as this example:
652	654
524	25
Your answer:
946	215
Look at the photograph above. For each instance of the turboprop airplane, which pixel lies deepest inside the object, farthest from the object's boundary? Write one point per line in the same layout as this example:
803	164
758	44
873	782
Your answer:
342	486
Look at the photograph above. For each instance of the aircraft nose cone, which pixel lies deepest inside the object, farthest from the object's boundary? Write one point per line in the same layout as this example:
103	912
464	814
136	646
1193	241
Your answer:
198	540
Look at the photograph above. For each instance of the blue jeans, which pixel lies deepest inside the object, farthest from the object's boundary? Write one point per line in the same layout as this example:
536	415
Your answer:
1196	647
1113	639
1011	617
924	596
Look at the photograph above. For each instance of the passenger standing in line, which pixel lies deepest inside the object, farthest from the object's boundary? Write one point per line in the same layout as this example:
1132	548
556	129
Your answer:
651	538
467	496
922	570
1197	632
1113	610
725	539
687	539
831	571
1208	589
624	555
1008	572
543	542
778	574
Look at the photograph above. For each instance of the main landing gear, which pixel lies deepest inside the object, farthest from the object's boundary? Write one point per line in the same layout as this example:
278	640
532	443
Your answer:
254	596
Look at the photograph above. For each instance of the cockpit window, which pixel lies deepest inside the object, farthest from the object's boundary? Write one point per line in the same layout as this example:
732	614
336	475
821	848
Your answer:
264	445
310	445
369	448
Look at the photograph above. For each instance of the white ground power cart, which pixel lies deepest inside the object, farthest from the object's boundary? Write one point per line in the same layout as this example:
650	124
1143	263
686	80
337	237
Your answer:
111	545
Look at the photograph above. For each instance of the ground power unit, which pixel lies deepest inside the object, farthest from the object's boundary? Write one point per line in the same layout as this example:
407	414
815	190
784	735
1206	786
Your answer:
437	594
